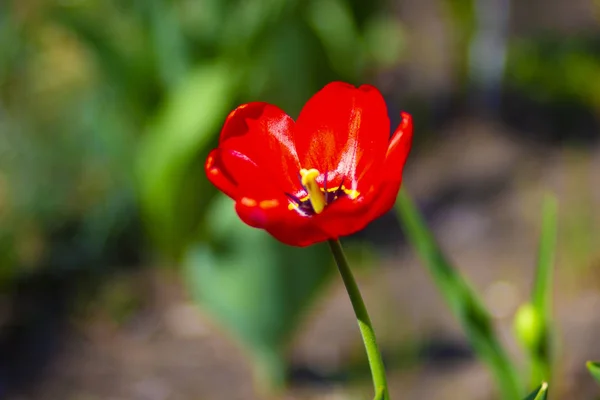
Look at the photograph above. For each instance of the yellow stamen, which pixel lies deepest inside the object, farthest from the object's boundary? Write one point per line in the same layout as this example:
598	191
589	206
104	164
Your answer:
316	196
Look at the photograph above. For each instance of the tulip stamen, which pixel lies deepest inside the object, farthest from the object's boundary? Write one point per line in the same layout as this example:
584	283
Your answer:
316	196
295	199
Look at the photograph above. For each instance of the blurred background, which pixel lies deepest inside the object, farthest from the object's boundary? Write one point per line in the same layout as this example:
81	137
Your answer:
125	275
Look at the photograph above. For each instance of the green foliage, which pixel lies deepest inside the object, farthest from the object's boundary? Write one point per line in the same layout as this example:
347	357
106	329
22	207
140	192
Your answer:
113	106
541	393
81	96
254	286
335	27
108	107
462	17
594	369
460	298
542	290
385	40
533	322
541	353
176	142
574	74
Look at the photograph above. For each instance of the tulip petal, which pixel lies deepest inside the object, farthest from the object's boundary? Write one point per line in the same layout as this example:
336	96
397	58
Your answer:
395	159
283	224
343	133
264	134
265	207
259	202
345	130
227	169
347	216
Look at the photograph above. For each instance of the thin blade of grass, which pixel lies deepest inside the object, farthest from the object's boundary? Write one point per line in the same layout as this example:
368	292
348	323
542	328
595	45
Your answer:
461	298
542	289
541	354
541	393
594	368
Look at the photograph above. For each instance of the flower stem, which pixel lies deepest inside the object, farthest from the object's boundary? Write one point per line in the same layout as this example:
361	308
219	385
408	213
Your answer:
364	322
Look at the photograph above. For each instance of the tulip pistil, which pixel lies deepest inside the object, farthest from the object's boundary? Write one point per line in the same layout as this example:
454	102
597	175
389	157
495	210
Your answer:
316	196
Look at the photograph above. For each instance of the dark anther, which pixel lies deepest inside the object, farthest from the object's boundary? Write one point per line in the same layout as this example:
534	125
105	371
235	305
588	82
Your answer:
293	198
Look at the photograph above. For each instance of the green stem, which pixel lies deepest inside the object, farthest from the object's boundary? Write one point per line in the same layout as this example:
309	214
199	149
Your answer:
364	322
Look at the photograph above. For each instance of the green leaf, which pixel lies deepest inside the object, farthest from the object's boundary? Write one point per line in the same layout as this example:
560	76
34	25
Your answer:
575	57
334	24
172	57
126	67
542	291
463	19
540	351
173	188
248	23
541	393
254	286
291	50
594	368
385	40
461	299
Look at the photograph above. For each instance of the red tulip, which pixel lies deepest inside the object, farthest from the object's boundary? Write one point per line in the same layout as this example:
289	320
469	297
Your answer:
324	176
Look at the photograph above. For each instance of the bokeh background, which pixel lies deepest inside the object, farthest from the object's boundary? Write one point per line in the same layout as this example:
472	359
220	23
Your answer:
125	275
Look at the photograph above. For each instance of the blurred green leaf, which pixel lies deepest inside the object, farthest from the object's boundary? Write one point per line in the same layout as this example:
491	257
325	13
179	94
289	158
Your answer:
533	322
541	393
385	40
174	191
541	352
169	43
11	41
291	51
574	78
461	299
129	69
334	25
203	20
542	291
463	24
247	22
594	368
255	286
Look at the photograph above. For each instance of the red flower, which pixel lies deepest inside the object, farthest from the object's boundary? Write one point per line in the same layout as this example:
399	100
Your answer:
326	175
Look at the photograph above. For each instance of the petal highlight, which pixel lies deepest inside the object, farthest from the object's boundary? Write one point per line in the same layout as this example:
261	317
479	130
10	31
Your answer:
228	169
345	130
341	139
259	202
263	133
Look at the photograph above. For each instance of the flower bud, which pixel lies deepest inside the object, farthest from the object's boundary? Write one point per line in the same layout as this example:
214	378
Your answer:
528	326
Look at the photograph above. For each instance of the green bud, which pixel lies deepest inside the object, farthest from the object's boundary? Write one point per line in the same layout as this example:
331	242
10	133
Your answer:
528	326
